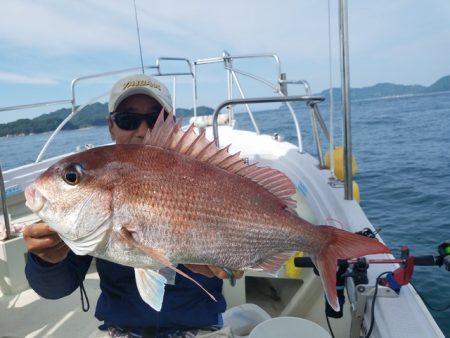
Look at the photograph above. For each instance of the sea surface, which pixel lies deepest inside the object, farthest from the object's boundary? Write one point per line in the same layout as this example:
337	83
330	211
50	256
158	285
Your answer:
402	147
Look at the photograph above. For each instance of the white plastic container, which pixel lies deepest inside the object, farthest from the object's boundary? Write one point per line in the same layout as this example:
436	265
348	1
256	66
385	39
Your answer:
289	327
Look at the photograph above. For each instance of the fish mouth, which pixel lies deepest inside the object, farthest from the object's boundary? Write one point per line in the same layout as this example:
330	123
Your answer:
35	201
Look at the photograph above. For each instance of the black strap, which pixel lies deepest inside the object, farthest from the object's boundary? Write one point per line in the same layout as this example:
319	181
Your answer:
83	293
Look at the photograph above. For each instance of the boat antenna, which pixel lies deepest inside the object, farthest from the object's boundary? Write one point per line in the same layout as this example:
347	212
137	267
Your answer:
138	35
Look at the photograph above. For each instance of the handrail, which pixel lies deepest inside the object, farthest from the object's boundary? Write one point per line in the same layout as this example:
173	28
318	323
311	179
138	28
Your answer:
4	206
165	58
252	76
226	59
278	88
269	99
244	56
98	75
315	114
35	105
252	118
296	124
319	118
233	77
75	81
74	112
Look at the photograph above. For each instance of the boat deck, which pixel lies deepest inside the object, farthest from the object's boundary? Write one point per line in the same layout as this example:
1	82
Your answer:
24	314
27	315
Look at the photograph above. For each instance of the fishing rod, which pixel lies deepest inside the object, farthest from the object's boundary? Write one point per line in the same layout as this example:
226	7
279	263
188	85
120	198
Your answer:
352	275
443	259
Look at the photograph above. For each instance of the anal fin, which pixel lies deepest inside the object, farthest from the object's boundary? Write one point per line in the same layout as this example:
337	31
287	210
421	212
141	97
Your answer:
274	263
150	285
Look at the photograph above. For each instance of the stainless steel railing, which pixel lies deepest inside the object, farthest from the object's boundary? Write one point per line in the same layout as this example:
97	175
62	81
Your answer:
305	98
4	207
76	107
280	87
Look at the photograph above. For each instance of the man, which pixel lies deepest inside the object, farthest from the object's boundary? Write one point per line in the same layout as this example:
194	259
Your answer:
53	271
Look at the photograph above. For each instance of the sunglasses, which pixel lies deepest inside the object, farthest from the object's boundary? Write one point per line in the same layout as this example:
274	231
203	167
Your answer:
132	121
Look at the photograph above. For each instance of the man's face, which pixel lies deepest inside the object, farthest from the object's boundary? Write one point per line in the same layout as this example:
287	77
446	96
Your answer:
136	104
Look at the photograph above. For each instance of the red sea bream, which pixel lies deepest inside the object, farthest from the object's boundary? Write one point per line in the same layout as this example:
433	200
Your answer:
177	198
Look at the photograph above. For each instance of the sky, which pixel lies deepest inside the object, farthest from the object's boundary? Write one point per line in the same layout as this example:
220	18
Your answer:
44	44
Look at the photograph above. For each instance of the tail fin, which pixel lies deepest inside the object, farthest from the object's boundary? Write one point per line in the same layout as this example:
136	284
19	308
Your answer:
342	245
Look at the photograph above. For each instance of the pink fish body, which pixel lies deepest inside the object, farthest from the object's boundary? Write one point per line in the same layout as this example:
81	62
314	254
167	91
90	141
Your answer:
179	199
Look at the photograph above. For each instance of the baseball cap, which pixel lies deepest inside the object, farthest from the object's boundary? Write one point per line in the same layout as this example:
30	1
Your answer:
139	84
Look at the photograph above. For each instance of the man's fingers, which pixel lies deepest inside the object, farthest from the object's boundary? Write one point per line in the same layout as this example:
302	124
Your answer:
222	274
202	269
213	271
238	274
56	255
42	243
218	272
37	230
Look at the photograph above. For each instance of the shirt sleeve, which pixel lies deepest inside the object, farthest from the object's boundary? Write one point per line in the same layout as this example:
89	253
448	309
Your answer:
53	281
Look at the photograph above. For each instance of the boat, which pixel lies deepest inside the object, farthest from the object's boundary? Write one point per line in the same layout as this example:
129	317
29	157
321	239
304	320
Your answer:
294	298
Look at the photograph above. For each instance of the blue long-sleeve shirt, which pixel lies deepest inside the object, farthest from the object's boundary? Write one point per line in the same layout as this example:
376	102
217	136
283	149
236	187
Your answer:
185	305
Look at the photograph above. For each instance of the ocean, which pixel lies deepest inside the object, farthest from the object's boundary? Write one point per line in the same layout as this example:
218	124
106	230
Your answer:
401	145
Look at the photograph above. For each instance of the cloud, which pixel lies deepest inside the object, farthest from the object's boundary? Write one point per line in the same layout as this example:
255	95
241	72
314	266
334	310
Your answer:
13	78
74	38
57	28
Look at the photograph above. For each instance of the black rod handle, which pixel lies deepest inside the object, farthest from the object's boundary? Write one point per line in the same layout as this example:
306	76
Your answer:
303	262
425	260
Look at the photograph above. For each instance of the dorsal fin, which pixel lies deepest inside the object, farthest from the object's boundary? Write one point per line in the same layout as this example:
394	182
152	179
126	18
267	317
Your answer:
168	135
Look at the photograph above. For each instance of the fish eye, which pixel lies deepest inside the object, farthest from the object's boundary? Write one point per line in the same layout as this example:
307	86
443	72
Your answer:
71	177
72	174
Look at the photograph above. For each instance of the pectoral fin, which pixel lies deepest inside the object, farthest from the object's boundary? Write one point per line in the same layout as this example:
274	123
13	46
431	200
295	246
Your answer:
160	257
150	285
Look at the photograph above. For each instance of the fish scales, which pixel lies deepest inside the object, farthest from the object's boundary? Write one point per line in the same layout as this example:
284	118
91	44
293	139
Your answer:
229	226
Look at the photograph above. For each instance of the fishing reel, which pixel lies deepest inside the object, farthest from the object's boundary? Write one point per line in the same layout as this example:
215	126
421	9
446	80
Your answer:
444	255
443	259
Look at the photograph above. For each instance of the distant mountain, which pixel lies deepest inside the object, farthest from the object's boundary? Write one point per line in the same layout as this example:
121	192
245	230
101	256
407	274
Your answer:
187	113
441	85
92	115
95	114
390	89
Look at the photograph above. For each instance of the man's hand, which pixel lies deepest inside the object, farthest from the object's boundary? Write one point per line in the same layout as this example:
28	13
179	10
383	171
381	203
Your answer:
45	243
213	271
